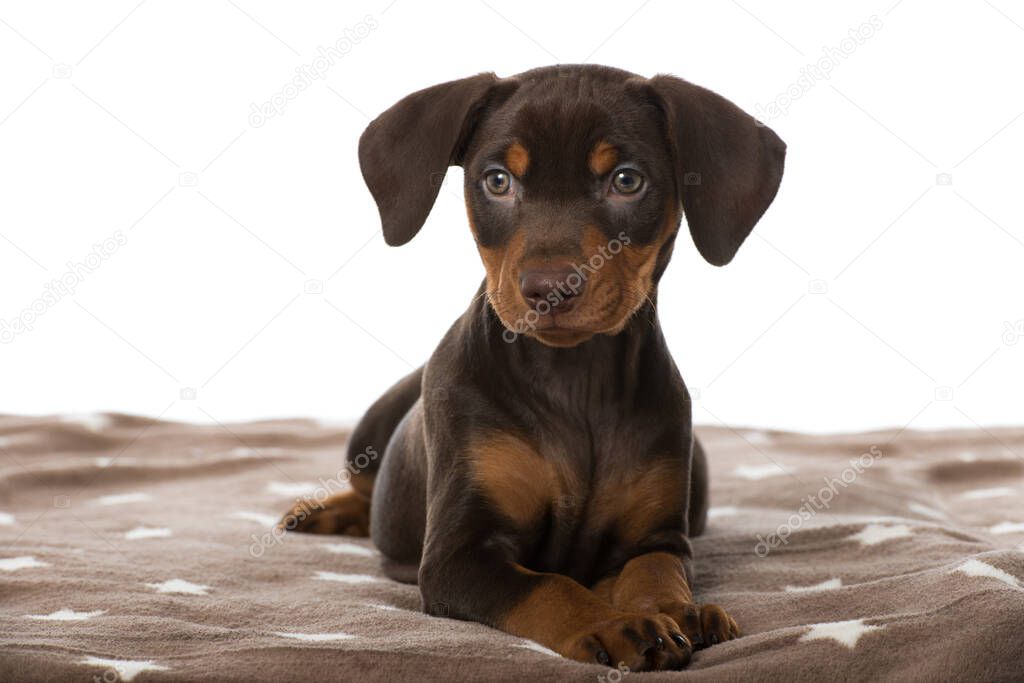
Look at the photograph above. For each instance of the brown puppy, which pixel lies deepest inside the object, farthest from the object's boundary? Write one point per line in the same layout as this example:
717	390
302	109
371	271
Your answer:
539	473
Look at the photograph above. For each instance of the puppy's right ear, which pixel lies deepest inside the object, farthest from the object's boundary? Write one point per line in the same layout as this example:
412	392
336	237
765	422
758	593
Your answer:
406	151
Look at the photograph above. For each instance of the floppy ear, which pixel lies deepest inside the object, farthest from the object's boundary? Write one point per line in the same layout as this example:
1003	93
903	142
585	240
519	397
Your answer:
728	165
405	152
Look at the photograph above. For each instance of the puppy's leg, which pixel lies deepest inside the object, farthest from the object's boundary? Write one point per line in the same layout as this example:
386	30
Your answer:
370	438
553	610
699	496
655	583
345	513
348	512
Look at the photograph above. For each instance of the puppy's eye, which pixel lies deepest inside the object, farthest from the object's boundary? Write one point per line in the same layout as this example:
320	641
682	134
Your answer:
627	181
498	182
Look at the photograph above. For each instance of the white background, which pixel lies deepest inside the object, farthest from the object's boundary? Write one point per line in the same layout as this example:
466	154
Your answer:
872	294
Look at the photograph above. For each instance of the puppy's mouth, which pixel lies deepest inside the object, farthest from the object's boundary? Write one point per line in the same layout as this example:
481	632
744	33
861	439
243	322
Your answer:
564	321
556	329
555	316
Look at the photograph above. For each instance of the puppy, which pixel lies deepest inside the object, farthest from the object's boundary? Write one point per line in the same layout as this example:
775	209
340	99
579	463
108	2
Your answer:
539	474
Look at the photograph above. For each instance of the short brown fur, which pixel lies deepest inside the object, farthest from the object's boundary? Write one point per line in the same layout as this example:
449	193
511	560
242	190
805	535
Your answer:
514	476
638	501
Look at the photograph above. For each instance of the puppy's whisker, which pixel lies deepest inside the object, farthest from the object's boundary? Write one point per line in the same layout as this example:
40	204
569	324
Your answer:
481	295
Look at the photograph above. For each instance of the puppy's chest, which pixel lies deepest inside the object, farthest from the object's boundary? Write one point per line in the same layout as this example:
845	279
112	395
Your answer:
569	498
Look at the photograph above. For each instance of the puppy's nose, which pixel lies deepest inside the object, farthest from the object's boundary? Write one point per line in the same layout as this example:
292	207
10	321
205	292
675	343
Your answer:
559	286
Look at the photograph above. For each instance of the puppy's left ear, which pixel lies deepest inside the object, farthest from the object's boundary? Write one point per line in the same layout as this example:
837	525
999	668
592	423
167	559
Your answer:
728	165
405	152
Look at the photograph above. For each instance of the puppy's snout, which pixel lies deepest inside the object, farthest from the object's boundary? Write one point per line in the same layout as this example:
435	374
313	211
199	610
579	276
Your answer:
559	286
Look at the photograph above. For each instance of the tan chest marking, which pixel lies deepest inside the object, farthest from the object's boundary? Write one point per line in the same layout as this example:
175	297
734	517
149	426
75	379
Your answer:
519	482
640	501
523	486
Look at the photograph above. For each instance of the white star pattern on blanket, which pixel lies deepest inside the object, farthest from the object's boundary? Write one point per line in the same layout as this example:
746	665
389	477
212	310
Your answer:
346	578
11	564
975	567
723	511
124	499
93	422
141	532
757	437
260	518
846	633
292	489
179	586
757	472
246	452
985	494
106	461
1007	528
537	647
386	608
349	549
926	511
316	637
827	585
65	615
126	669
873	534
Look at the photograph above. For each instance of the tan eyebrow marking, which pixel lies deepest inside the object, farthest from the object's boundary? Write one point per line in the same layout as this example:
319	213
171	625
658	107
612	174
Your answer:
603	157
517	159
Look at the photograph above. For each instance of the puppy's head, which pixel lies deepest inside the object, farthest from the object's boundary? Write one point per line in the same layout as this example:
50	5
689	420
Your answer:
576	178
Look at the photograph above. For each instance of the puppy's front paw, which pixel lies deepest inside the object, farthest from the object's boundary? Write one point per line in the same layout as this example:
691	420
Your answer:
642	643
705	625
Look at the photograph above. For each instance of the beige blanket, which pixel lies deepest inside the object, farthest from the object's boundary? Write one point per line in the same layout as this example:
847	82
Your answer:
138	550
